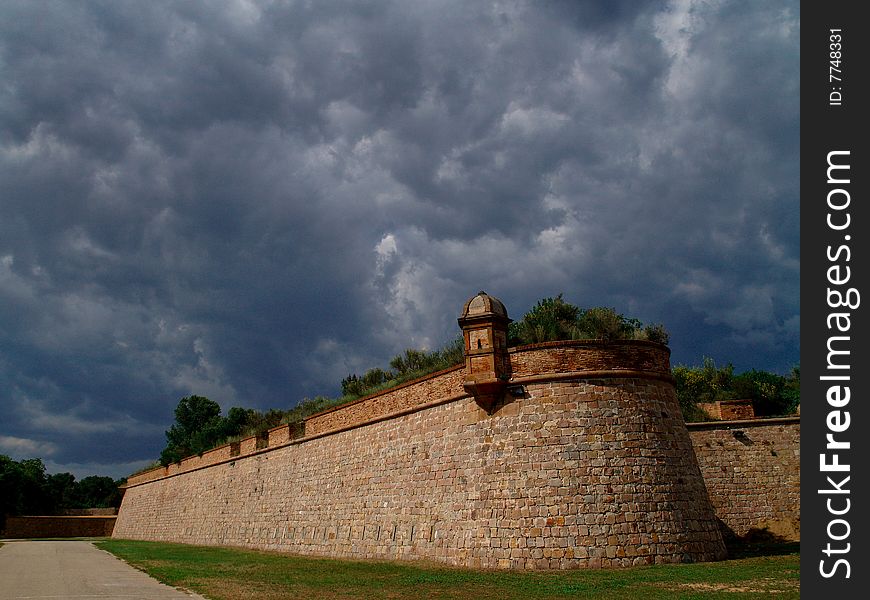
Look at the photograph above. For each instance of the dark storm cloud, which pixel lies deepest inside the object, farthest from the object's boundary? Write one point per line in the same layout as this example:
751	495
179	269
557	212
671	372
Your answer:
250	200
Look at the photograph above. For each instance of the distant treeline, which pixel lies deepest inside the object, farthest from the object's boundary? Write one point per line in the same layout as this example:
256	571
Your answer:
25	489
199	425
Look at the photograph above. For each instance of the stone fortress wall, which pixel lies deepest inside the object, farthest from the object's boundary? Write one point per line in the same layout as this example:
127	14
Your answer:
57	526
752	473
583	460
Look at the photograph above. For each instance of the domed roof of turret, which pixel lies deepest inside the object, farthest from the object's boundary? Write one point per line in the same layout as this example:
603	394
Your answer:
483	305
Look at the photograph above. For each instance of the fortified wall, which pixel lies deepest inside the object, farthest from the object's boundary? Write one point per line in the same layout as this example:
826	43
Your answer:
557	455
58	526
752	472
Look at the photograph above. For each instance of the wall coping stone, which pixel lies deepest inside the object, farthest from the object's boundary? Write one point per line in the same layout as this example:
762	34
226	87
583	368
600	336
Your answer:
744	423
576	343
598	374
70	517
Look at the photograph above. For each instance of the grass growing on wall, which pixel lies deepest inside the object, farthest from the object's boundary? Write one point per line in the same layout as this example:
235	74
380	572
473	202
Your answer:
234	574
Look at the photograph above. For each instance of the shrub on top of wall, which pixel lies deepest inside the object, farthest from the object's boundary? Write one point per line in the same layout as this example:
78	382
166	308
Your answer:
553	319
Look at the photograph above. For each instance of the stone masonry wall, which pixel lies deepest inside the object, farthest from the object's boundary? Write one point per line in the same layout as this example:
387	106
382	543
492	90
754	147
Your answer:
580	472
752	473
729	410
58	527
441	386
588	356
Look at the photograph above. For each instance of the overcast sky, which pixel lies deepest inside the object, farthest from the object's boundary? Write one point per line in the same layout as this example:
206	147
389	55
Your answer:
251	200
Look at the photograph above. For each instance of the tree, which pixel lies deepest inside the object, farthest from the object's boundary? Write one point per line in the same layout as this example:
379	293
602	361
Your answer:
550	319
603	323
453	353
792	391
259	422
63	490
706	383
34	496
237	419
10	481
656	332
411	361
198	426
23	487
354	385
97	492
771	394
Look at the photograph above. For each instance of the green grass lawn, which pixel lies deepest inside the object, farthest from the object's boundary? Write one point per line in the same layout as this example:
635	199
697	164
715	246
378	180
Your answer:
234	574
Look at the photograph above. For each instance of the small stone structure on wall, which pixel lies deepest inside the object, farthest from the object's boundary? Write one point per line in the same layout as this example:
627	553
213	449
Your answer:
729	410
556	455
